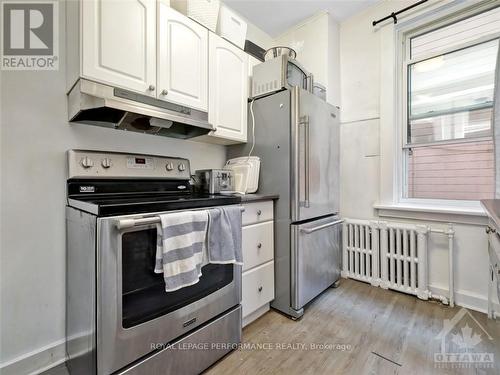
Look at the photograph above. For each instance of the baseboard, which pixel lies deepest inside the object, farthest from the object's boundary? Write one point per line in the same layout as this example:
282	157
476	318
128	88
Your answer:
468	300
36	361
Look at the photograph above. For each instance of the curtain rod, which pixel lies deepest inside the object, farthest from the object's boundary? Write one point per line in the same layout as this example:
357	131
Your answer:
393	15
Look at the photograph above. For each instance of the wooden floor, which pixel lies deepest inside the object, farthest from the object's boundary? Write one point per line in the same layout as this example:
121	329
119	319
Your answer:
385	332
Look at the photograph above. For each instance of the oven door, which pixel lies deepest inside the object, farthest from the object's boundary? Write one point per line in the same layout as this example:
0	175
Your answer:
133	310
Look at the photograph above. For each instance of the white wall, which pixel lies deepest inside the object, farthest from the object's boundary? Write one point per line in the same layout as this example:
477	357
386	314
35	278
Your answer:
333	62
316	41
310	40
34	138
259	37
367	113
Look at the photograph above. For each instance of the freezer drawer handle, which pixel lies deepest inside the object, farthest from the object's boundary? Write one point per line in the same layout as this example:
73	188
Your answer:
319	227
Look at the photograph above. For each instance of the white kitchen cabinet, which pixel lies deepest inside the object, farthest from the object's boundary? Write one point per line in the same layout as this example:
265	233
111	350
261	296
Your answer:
119	43
257	290
182	59
258	244
228	90
258	259
257	212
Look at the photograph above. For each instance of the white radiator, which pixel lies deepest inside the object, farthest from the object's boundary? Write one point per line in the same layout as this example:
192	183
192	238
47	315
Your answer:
391	255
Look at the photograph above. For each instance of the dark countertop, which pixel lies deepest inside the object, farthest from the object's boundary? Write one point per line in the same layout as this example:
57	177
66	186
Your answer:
258	197
492	207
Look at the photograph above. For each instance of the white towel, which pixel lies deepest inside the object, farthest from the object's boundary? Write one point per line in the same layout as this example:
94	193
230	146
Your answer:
181	248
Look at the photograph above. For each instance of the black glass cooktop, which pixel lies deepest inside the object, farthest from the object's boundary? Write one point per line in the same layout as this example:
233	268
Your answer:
120	199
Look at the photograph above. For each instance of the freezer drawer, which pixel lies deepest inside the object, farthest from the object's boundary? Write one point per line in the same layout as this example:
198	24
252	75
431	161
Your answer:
315	259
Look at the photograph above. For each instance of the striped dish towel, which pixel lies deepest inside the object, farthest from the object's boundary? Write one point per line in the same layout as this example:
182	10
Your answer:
181	248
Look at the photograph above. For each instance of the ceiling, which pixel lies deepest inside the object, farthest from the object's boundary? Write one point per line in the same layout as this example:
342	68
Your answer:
277	16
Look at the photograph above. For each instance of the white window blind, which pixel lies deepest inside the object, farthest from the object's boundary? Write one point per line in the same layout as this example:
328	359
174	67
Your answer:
450	81
445	93
464	31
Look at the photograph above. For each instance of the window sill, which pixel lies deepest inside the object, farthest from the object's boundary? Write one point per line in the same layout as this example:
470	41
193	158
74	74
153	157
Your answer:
441	213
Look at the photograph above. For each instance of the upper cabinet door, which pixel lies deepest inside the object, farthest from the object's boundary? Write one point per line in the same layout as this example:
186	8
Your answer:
228	88
182	59
119	43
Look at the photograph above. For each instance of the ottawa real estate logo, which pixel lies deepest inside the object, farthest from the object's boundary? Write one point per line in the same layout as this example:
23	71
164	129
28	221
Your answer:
465	344
30	35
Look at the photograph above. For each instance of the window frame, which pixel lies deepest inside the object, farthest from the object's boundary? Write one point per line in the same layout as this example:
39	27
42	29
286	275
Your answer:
403	61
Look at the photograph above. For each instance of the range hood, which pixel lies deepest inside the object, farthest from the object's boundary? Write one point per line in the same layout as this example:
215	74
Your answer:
97	104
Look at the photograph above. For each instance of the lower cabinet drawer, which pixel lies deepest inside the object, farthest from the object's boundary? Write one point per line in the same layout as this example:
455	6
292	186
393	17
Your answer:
258	244
257	287
257	212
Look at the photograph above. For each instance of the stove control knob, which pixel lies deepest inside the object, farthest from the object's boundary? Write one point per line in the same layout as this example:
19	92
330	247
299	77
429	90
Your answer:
169	166
106	163
87	162
182	167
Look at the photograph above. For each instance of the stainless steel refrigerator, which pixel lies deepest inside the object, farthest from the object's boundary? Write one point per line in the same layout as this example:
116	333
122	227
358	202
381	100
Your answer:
297	139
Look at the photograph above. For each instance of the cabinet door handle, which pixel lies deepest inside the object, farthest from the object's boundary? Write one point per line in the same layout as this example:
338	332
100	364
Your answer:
260	289
151	88
164	92
259	245
259	212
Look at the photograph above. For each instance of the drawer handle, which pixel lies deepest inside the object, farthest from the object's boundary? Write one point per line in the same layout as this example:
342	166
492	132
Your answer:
259	212
260	289
319	227
259	245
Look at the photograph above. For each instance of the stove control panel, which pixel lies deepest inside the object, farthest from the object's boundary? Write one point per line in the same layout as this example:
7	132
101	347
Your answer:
98	164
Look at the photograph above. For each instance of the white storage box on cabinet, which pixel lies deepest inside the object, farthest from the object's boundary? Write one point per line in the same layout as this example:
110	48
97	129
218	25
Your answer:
118	43
205	12
228	90
258	259
182	59
232	27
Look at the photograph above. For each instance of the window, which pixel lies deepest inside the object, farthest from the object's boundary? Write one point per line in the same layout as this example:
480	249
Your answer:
450	80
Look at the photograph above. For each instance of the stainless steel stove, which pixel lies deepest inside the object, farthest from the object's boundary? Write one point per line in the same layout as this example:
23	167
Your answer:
119	317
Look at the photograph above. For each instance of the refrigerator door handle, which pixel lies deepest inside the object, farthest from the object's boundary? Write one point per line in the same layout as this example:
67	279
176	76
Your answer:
319	227
304	120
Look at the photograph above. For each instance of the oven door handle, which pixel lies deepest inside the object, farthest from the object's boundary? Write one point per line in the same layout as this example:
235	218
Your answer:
130	223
